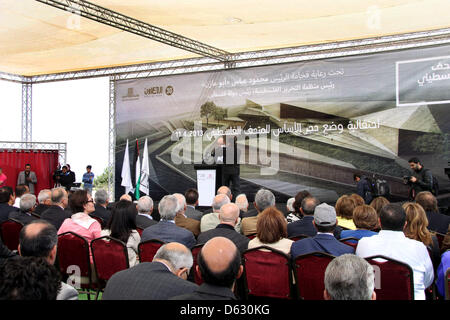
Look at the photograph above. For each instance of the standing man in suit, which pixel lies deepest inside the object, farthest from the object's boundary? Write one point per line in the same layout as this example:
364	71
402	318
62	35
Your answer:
144	217
28	178
56	214
165	229
227	154
191	196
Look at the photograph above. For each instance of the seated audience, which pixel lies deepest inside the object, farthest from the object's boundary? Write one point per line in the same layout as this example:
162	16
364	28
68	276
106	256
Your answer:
358	199
344	211
161	279
126	197
290	211
442	268
263	199
122	226
211	220
29	278
325	222
56	214
392	243
6	199
166	230
271	231
191	196
226	191
101	200
437	221
144	217
39	239
365	219
182	220
45	201
219	265
27	205
242	202
21	189
378	203
349	277
229	217
298	202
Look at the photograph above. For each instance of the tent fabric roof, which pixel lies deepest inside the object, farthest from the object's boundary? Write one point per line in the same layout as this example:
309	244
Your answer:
39	39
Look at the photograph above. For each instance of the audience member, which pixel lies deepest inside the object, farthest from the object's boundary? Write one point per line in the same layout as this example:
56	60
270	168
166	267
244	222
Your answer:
392	243
242	202
181	220
21	189
29	278
263	199
126	197
271	231
229	217
365	219
437	221
28	178
161	279
442	268
101	200
45	201
349	277
166	230
144	217
191	196
446	241
56	214
378	203
211	220
298	202
6	197
122	226
358	199
344	211
219	265
3	178
27	205
39	239
290	211
226	191
325	222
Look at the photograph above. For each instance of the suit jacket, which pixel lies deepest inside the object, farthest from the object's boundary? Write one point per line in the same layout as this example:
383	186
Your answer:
208	291
438	222
55	215
5	253
22	216
169	232
321	242
230	162
227	231
143	222
188	223
146	281
5	209
40	208
21	180
102	213
193	213
248	225
305	226
250	213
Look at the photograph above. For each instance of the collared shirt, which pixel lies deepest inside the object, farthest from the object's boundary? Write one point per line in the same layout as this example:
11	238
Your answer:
146	215
395	245
211	220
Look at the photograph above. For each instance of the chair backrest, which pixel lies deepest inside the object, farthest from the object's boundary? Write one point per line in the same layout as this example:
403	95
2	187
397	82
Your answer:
309	273
139	230
100	220
147	249
393	279
10	231
110	255
73	251
251	236
447	284
267	273
350	241
299	237
195	251
440	237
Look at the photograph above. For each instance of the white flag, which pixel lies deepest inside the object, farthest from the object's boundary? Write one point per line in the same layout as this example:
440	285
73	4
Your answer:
145	171
126	172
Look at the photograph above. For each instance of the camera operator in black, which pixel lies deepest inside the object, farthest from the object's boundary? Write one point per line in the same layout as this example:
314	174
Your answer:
420	180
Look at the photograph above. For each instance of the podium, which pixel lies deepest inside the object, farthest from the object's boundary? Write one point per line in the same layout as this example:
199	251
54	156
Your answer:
209	179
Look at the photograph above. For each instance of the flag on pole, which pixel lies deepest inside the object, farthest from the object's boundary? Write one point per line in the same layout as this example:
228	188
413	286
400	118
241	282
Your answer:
145	171
137	170
126	173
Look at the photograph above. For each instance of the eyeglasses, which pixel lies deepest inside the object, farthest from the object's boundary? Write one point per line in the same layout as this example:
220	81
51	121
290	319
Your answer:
91	201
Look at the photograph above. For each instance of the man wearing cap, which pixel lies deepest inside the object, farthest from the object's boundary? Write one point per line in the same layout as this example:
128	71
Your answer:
324	241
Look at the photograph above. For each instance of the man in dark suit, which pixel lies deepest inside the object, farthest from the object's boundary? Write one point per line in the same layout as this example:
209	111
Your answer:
6	198
161	279
45	201
56	214
229	217
27	205
437	221
144	217
228	154
219	265
165	229
191	196
101	199
324	241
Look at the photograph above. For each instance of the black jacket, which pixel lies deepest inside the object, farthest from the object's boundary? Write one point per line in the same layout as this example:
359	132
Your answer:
55	215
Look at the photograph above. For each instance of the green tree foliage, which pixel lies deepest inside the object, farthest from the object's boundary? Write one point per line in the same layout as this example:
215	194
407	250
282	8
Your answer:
219	114
207	109
101	182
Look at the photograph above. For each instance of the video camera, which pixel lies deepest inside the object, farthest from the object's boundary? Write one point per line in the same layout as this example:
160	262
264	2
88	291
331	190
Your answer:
406	179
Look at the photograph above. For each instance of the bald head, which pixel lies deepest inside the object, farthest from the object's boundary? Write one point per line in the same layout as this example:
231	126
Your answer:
177	257
229	214
225	190
38	239
219	201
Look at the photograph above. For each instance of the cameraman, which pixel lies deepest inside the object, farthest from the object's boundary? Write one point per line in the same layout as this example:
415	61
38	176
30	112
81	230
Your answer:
420	180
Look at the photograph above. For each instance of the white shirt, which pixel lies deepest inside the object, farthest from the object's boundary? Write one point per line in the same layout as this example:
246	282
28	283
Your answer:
395	245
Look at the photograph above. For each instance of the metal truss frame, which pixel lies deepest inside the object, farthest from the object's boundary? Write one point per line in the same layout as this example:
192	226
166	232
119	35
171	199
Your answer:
112	137
61	147
27	102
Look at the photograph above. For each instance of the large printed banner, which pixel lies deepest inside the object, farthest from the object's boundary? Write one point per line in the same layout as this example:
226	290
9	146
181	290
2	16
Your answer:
299	126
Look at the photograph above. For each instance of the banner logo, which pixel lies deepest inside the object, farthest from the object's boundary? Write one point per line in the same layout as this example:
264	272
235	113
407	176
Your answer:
169	90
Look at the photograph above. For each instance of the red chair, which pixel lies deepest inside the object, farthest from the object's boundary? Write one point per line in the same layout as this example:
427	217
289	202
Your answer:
147	249
73	256
267	273
195	251
251	236
309	273
110	255
10	231
140	230
100	220
393	279
440	237
299	237
350	241
447	284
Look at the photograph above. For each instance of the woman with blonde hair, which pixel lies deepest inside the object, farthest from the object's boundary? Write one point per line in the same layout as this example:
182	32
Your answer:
344	212
271	231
